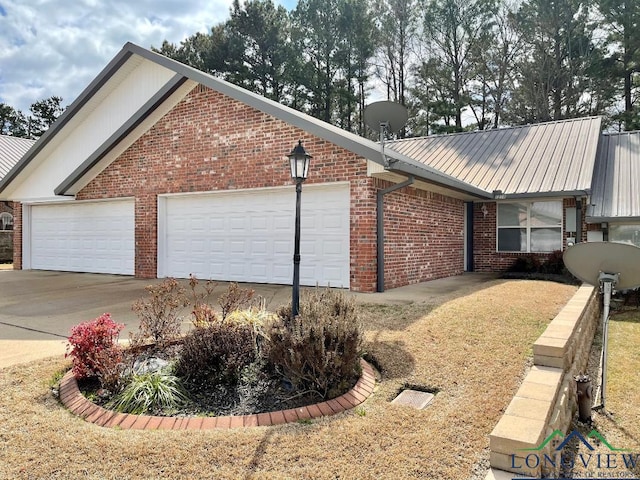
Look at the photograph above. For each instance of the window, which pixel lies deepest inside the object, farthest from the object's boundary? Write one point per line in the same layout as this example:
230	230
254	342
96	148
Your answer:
625	233
6	221
530	226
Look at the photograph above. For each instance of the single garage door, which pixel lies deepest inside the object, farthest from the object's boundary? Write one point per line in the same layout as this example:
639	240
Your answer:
247	236
94	237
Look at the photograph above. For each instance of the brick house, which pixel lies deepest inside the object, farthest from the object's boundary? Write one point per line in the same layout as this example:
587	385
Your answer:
160	170
614	210
11	150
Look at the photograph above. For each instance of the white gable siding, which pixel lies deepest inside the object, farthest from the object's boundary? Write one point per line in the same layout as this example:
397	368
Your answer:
110	113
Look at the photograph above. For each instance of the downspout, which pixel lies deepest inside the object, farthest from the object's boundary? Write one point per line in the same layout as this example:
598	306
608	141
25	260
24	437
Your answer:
469	233
578	220
380	229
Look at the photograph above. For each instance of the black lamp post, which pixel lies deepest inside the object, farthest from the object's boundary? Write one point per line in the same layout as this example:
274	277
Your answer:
299	160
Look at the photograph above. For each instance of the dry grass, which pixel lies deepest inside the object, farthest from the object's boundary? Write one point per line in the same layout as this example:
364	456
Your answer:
473	349
620	424
623	367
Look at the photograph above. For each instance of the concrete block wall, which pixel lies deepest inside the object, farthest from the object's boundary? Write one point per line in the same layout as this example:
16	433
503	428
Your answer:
546	400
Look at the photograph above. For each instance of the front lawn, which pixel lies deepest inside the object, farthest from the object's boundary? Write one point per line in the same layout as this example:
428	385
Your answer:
473	350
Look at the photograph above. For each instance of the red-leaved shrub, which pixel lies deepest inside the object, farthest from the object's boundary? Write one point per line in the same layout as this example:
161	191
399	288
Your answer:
87	340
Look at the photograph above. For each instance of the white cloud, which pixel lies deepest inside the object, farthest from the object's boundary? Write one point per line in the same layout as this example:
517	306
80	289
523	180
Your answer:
56	47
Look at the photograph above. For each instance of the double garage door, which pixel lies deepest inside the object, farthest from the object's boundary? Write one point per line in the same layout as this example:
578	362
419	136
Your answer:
93	237
244	236
248	235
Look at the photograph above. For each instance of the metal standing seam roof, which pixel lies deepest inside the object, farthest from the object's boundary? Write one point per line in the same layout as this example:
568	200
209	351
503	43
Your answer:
615	191
554	158
12	150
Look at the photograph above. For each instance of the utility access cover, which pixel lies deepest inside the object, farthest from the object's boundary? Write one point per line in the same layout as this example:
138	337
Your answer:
414	399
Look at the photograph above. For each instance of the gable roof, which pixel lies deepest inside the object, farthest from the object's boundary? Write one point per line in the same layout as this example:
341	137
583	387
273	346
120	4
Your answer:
616	179
546	159
171	81
11	151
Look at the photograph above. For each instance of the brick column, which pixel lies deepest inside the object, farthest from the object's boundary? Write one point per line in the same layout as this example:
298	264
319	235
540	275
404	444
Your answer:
17	236
146	235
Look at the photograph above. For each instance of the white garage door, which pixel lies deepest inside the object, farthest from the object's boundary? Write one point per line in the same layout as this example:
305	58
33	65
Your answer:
247	236
95	237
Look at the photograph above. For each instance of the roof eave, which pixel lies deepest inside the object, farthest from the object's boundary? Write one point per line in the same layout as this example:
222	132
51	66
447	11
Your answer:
565	193
440	180
97	83
600	219
358	145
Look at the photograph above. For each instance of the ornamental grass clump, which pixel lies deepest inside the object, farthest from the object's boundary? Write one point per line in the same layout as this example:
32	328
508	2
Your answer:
152	392
319	350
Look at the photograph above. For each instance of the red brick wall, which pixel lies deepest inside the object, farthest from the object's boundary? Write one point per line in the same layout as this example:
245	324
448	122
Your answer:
212	142
485	257
17	236
424	236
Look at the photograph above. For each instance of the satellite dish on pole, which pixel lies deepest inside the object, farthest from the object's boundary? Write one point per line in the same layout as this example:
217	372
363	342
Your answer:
587	260
385	117
609	265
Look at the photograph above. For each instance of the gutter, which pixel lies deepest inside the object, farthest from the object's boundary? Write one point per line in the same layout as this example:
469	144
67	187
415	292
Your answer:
498	195
380	229
634	219
406	167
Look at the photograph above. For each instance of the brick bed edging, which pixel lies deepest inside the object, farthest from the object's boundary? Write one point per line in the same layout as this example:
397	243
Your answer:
71	398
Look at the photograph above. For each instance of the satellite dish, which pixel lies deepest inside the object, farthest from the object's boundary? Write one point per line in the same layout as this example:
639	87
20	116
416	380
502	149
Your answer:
387	117
609	265
587	260
390	115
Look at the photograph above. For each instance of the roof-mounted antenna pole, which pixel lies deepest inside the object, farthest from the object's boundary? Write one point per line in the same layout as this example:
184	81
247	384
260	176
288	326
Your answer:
386	161
387	117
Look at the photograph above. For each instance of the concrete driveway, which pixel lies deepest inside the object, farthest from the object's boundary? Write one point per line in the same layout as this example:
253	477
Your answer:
38	308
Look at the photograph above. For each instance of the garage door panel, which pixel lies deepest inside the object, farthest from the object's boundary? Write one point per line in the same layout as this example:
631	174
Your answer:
250	235
259	248
83	237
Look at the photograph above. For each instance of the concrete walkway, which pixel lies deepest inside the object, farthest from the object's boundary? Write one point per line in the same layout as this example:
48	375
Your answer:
38	308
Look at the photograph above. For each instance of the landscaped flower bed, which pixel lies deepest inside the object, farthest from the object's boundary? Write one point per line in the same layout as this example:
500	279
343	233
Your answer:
237	359
470	343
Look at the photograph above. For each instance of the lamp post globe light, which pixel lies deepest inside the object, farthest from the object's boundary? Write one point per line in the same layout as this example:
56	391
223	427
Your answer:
299	161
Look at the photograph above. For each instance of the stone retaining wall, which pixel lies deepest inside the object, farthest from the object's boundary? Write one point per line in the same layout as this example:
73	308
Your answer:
6	245
546	400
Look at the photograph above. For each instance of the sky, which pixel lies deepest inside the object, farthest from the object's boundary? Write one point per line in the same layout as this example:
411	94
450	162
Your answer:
57	47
